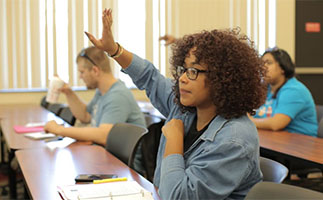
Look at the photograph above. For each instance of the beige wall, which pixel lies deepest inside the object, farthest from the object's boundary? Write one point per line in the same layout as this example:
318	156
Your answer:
188	16
285	37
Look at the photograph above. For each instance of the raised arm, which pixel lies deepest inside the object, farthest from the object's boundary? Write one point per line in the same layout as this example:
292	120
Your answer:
143	73
77	106
169	39
107	43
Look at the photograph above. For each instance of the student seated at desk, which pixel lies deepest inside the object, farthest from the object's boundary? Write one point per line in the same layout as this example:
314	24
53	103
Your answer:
112	103
289	105
209	148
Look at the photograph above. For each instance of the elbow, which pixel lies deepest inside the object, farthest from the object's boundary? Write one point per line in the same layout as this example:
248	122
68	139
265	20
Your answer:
276	127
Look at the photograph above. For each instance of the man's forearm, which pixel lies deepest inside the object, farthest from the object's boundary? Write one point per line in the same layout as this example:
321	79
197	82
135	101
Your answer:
94	134
78	108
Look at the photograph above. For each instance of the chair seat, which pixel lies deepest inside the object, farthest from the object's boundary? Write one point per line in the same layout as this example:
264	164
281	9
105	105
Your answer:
272	170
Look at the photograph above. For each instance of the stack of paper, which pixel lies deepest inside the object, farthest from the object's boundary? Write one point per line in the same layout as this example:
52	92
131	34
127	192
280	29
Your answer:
40	135
122	190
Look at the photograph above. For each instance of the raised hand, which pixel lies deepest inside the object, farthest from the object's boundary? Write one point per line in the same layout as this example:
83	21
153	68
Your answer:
106	43
169	39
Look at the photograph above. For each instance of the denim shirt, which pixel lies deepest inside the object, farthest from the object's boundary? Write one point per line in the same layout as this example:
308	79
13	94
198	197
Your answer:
222	164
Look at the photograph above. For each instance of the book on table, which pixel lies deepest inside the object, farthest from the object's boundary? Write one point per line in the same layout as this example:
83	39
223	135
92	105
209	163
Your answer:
40	135
121	190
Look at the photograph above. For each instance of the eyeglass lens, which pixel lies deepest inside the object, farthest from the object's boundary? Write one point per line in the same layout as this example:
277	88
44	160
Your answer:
191	73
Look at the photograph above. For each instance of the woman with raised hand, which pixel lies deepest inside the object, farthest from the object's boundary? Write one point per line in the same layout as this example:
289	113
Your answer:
209	148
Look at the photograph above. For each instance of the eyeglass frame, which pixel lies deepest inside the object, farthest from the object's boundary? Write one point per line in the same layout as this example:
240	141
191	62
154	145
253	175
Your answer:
184	70
84	55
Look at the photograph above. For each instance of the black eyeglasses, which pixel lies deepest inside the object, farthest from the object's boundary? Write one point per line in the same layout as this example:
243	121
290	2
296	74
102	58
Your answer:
84	55
191	72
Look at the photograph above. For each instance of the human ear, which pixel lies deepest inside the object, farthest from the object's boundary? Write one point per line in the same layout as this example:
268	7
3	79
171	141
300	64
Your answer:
96	69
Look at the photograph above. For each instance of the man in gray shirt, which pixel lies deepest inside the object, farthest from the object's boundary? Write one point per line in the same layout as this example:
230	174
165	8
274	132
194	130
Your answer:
112	102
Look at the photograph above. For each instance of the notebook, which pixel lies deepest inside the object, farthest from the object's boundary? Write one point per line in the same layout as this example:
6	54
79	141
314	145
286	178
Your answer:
28	129
40	135
121	190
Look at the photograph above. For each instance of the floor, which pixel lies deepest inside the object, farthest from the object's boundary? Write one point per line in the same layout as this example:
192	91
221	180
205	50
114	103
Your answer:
313	182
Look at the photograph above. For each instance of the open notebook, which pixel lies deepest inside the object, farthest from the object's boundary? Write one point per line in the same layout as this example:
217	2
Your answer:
121	190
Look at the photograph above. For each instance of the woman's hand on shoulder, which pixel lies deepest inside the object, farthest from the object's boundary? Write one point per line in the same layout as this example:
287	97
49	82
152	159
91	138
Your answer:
174	129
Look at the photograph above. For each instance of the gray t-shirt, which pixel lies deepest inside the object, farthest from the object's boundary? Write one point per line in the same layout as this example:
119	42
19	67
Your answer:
115	106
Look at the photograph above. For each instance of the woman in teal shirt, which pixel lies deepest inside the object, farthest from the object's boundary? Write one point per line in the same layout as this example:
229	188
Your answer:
289	104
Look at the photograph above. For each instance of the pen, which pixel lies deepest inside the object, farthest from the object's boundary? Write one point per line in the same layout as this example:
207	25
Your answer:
108	180
53	139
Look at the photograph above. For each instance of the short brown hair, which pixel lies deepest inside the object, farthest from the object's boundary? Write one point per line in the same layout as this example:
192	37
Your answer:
235	70
95	56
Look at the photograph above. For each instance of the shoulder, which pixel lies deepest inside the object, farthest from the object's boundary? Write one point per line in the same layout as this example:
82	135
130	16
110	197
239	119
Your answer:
118	89
294	84
294	87
238	132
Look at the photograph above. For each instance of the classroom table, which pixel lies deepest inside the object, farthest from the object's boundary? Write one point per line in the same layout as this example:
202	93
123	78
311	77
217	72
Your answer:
292	146
12	115
20	115
59	166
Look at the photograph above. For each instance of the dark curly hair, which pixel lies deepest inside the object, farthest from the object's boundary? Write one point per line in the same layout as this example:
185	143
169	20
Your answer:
235	74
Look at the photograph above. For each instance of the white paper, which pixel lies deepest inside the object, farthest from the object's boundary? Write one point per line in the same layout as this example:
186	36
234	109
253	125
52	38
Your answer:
39	135
121	190
35	124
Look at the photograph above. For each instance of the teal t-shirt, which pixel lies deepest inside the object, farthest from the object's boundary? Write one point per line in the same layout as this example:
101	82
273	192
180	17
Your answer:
294	100
117	105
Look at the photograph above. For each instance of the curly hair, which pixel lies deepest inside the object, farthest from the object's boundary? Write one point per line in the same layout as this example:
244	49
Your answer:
235	70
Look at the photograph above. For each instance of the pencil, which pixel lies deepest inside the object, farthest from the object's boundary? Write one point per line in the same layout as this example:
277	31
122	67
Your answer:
108	180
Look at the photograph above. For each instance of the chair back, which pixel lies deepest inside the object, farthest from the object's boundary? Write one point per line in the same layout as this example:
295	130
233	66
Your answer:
149	148
123	139
44	103
272	171
67	116
320	129
56	108
151	119
319	112
273	191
